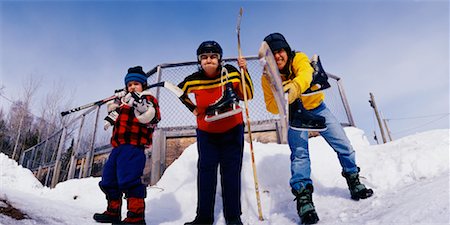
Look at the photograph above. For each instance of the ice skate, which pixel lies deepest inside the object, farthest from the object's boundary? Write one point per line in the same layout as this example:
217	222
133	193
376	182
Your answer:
303	120
320	77
227	105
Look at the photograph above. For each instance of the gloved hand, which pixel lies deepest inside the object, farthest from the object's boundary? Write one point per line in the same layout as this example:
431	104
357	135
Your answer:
293	90
127	99
112	105
145	116
110	119
142	106
120	93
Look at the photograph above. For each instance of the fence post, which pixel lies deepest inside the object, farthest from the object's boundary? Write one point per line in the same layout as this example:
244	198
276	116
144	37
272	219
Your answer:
57	166
90	156
281	133
73	159
162	147
159	142
146	176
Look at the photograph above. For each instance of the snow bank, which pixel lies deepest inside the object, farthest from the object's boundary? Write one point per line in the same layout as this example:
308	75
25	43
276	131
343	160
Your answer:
15	176
416	166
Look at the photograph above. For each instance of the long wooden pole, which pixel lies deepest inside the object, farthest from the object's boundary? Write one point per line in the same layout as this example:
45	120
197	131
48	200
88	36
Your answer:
258	201
374	106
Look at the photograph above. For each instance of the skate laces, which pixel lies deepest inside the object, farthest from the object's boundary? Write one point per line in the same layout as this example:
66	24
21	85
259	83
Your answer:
222	73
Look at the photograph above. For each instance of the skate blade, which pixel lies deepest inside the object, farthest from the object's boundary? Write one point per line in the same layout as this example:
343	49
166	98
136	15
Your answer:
222	115
321	89
308	129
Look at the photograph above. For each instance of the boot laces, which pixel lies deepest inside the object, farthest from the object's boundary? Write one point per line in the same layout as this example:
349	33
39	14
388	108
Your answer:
303	199
223	73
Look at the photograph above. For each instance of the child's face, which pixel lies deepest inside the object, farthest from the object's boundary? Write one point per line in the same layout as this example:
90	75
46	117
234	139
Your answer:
209	63
134	86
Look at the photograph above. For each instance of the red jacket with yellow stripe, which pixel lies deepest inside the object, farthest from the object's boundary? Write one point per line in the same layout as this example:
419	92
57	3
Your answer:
208	90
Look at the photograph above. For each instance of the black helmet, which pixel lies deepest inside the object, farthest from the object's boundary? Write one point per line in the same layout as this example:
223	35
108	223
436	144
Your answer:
209	47
276	41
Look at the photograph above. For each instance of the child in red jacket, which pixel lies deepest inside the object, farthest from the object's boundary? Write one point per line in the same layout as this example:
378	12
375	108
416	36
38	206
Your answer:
134	115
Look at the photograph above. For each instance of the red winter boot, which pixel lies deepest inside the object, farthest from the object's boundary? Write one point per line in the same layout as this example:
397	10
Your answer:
112	213
136	211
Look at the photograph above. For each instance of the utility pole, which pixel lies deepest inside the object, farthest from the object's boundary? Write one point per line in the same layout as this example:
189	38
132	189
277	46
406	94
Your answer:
387	129
374	106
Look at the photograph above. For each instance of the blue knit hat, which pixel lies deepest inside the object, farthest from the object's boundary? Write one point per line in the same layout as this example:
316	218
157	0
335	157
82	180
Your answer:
136	74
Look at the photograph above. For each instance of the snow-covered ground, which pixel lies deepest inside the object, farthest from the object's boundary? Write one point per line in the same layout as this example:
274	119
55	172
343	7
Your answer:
410	178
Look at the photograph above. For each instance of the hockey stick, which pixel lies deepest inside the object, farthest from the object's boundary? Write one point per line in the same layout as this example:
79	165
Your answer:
97	103
178	92
174	89
258	201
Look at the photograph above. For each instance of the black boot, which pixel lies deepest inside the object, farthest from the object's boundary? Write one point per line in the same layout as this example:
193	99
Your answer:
357	190
225	106
302	119
305	205
320	77
201	221
112	213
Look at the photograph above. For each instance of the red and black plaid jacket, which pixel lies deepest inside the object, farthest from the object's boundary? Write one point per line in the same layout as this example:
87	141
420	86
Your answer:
128	130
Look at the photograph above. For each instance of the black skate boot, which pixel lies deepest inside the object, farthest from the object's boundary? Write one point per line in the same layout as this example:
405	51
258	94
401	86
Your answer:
225	106
357	190
112	213
302	119
201	221
320	77
305	206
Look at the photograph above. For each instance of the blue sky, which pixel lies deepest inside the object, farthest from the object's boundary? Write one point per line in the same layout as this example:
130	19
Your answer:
398	50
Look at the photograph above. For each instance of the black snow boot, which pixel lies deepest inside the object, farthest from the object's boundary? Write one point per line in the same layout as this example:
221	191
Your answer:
320	77
201	221
225	106
357	190
302	119
305	205
112	213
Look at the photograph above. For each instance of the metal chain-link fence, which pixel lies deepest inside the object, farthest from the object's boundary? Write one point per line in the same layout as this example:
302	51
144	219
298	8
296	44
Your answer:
175	115
69	152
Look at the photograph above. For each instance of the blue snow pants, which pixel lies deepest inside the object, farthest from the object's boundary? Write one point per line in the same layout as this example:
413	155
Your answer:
122	173
224	149
335	137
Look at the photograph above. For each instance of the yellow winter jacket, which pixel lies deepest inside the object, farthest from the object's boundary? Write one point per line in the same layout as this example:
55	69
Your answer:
300	72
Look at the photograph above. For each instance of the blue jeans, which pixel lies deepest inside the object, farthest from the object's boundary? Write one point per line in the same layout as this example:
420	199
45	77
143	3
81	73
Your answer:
336	138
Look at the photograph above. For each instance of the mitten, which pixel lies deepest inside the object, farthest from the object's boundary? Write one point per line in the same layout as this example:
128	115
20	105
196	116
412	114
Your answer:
112	105
293	90
144	111
120	93
127	99
142	105
110	119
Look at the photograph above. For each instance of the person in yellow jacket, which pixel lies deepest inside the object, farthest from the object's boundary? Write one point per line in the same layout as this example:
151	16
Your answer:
296	73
